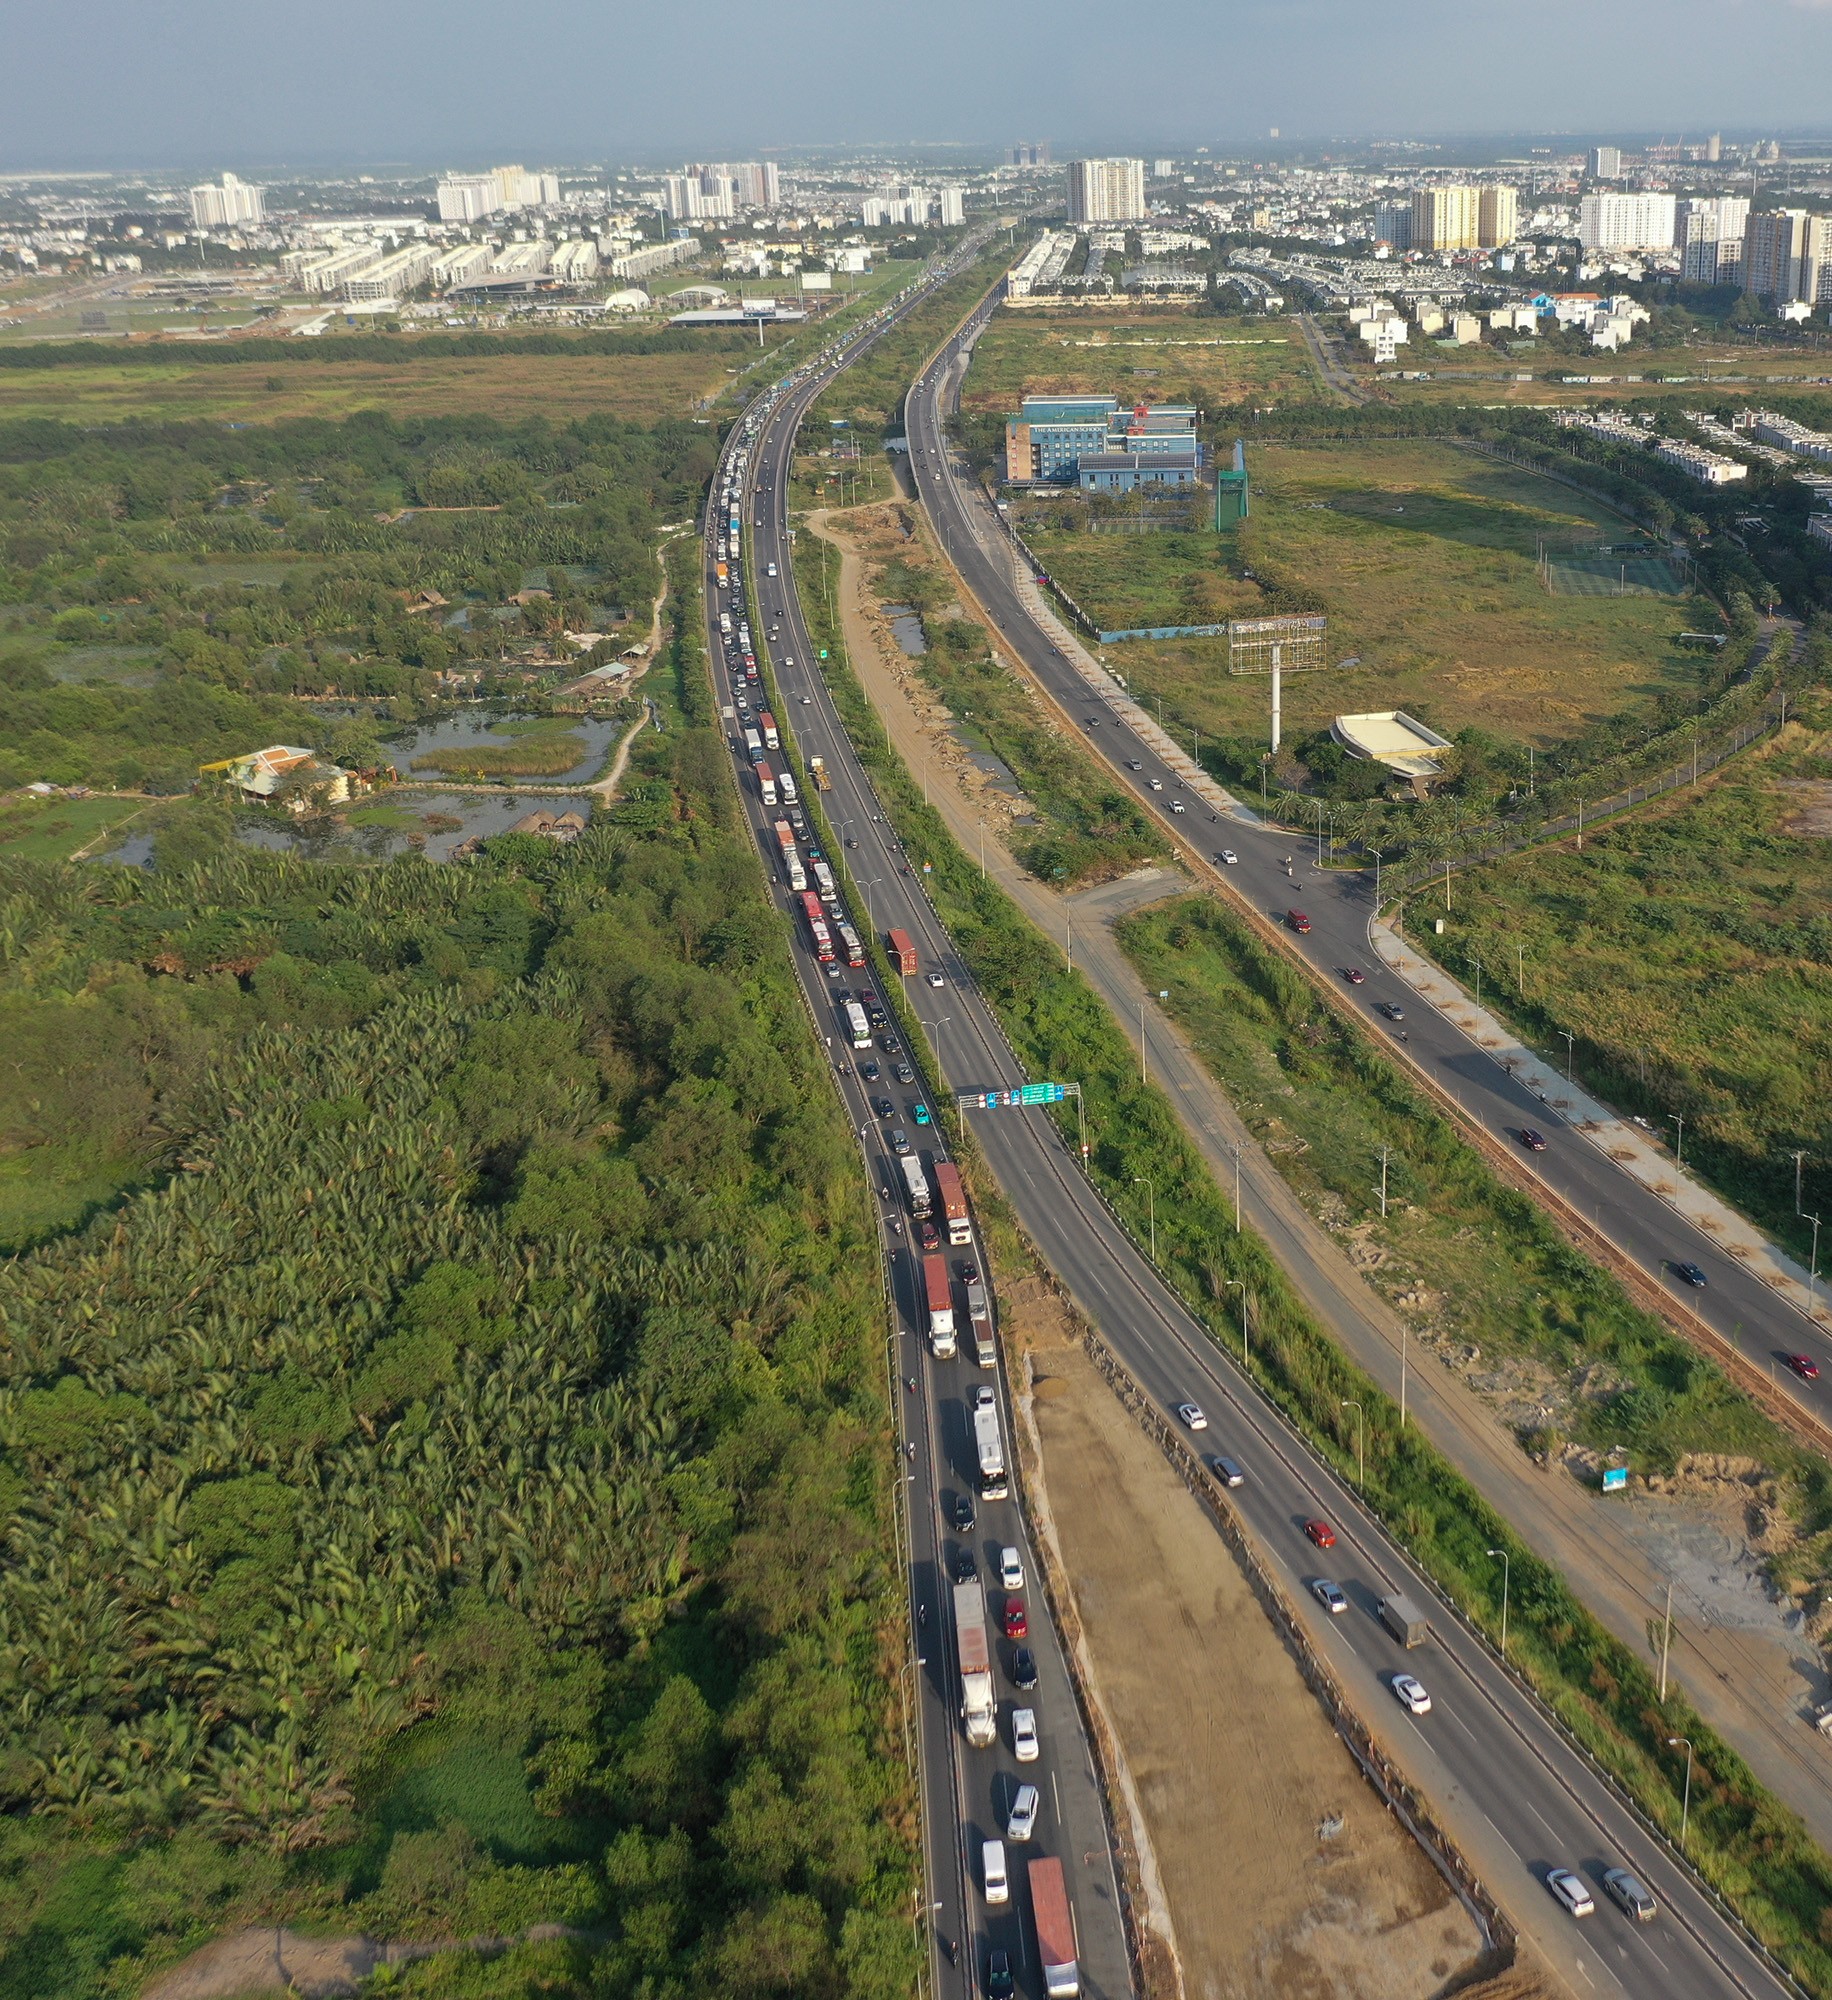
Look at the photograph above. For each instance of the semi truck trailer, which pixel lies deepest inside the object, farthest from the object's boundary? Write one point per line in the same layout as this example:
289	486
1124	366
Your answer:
979	1319
940	1296
1055	1929
978	1712
915	1185
903	953
953	1201
989	1447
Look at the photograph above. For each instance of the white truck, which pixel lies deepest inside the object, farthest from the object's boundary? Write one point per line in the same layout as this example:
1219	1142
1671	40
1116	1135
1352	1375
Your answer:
989	1446
978	1711
938	1295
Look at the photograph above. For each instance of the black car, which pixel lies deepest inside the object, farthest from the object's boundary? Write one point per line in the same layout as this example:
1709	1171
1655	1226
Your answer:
1000	1985
869	1071
963	1511
962	1565
1392	1012
904	1073
883	1106
1690	1274
890	1045
1024	1669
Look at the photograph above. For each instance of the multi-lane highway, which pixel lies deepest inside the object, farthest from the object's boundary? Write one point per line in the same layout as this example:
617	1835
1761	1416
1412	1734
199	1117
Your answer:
1733	1302
968	1792
1515	1794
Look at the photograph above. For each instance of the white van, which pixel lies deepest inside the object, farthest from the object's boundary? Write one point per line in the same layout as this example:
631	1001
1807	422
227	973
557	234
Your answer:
992	1870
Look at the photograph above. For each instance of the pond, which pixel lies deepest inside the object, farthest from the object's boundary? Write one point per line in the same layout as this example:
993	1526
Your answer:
496	740
906	628
429	823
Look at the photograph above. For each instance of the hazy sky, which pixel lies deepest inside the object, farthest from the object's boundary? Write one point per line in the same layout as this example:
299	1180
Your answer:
257	82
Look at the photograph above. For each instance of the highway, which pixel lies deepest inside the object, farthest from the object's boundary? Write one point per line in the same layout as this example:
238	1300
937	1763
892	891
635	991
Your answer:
1734	1305
967	1792
1515	1794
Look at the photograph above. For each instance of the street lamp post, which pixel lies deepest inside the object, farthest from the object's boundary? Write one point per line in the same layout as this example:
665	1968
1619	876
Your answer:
1799	1158
1151	1209
1238	1285
1570	1046
1507	1572
1377	860
1361	1427
1685	1809
1679	1144
1237	1190
1813	1273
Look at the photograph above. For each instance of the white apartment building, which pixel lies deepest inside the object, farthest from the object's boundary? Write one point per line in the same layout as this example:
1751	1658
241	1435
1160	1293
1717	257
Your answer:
233	205
1708	235
1606	162
324	271
653	257
1787	256
1712	467
953	209
1626	222
467	260
576	260
522	260
1106	191
392	276
1786	435
471	197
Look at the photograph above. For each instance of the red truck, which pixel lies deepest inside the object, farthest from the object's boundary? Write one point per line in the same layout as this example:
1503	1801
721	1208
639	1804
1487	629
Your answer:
1297	920
953	1202
903	953
1055	1929
940	1296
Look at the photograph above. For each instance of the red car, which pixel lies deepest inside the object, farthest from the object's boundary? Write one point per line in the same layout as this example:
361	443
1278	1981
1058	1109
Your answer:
930	1235
1353	974
1804	1366
1321	1533
1017	1626
1297	920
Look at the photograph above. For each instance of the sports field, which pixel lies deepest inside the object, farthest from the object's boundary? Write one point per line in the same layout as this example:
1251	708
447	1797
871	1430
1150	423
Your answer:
1615	576
1424	558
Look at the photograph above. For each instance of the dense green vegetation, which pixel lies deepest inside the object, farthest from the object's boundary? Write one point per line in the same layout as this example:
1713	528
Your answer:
230	567
1756	1852
457	1499
1688	949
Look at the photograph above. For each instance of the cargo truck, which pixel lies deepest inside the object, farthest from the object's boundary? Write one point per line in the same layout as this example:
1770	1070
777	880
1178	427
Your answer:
903	953
915	1184
824	884
791	857
1055	1929
767	723
818	766
1404	1620
979	1318
990	1449
940	1296
786	783
953	1202
977	1710
753	746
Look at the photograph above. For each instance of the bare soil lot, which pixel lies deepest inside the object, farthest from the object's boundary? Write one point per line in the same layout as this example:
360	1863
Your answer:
1281	1871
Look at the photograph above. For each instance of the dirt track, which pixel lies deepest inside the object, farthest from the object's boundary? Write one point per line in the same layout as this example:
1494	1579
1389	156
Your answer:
1281	1871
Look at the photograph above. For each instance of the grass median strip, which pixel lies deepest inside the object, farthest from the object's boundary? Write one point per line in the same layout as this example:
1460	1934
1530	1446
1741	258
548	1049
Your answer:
1749	1846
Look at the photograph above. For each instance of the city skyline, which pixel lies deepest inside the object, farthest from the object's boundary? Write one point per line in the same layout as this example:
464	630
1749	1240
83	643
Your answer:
179	89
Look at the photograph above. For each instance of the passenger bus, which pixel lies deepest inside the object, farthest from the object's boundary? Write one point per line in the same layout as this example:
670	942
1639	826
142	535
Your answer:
818	934
859	1027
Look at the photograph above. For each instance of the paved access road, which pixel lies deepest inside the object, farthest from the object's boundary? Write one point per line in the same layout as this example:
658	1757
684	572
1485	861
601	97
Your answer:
1733	1304
967	1792
1514	1792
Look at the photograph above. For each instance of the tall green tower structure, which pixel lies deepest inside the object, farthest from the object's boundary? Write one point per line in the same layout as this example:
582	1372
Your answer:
1231	490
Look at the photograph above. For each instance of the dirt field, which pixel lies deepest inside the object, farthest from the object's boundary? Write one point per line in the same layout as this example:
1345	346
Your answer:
1281	1872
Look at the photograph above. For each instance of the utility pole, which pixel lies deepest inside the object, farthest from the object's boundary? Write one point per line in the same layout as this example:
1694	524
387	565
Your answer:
1237	1190
1383	1182
1237	1285
1570	1046
1685	1810
1798	1158
1666	1640
1679	1145
1507	1570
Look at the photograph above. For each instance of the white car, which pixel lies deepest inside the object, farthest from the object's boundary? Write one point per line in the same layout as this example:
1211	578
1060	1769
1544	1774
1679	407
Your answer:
1177	806
1011	1569
1330	1596
1411	1694
1230	857
983	1398
936	980
1024	1735
1023	1821
1191	1417
1156	784
1567	1887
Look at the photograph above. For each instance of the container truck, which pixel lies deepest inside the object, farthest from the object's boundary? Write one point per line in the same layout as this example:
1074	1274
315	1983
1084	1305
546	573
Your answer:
767	723
824	884
940	1296
791	857
786	785
1404	1620
915	1185
753	746
903	953
818	934
850	944
857	1026
990	1448
977	1709
953	1202
1050	1913
979	1318
766	783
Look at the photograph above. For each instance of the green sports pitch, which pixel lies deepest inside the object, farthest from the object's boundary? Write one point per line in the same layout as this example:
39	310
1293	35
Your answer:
1603	575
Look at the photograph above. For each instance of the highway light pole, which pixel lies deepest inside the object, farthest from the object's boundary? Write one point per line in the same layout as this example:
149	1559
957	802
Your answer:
1377	859
1384	1151
1361	1426
1151	1209
1237	1285
1507	1571
1679	1144
1799	1157
1813	1274
1685	1810
1570	1044
1237	1190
